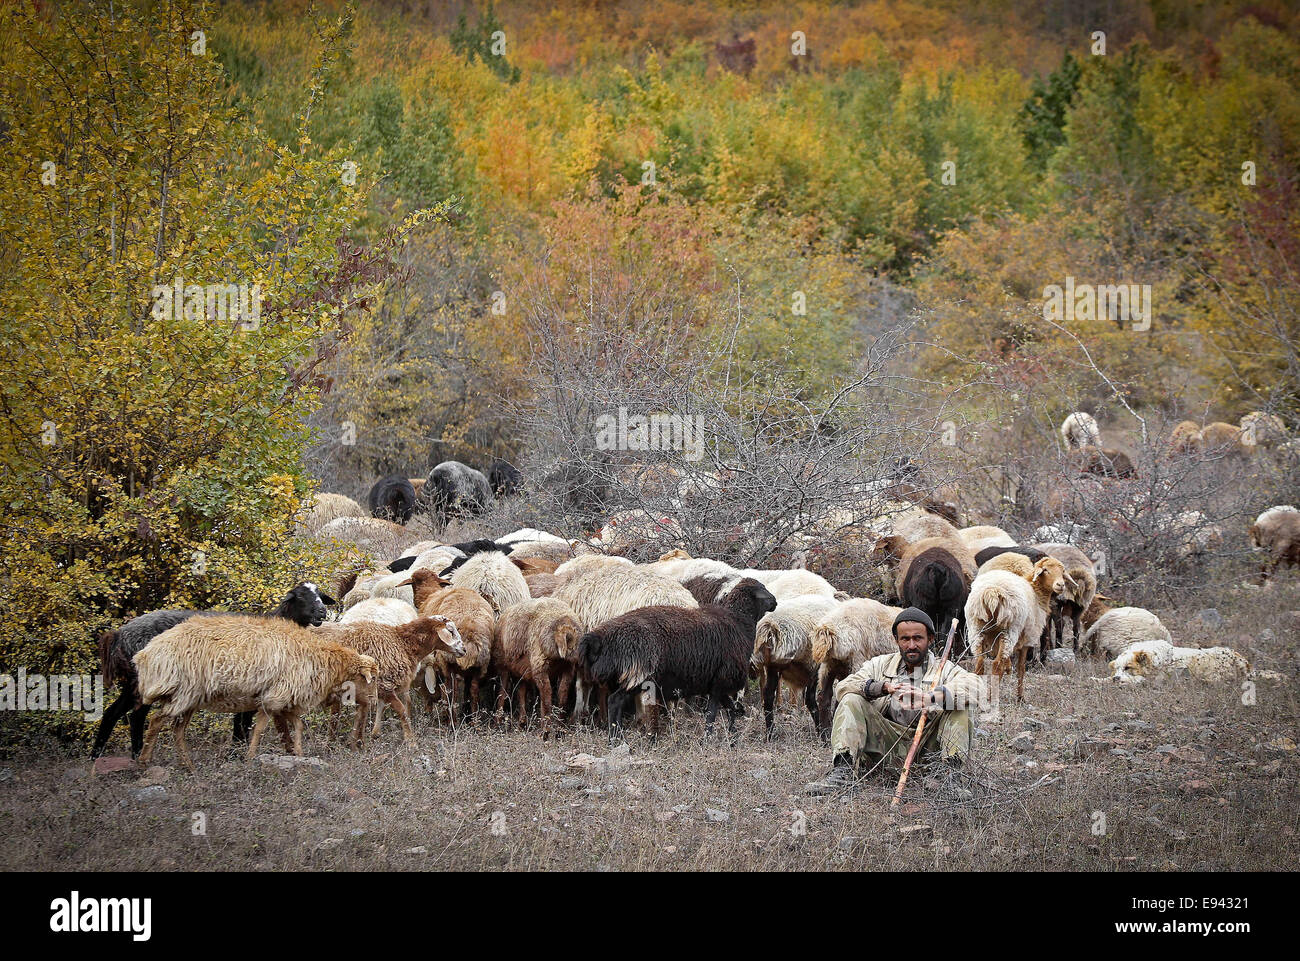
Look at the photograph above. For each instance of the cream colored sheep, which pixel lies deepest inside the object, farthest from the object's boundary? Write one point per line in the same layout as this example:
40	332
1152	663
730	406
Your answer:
380	610
1121	627
500	582
783	650
1277	531
848	635
536	643
1006	615
1147	660
1080	430
239	663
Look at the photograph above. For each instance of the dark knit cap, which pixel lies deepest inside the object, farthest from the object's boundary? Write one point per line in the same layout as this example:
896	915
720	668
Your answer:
913	614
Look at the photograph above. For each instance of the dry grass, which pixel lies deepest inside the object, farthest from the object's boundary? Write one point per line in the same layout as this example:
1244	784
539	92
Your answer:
1199	789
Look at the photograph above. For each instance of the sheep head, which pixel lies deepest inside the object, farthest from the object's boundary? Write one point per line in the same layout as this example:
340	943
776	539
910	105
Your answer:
436	632
363	682
567	635
1049	577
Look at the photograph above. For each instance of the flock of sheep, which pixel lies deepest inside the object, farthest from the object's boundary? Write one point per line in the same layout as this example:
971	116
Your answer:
533	623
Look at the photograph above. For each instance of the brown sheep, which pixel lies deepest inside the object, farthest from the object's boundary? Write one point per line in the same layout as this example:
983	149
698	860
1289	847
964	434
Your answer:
1080	589
472	615
397	651
1222	438
1277	531
534	565
1103	461
537	643
541	585
1186	438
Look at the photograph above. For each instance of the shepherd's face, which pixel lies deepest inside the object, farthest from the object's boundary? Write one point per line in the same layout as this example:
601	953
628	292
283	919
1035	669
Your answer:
913	642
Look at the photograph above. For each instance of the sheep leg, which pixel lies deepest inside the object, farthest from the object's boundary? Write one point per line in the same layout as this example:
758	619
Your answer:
521	695
285	737
810	702
544	695
359	725
734	710
1020	674
137	729
825	690
407	731
151	737
297	732
178	732
771	684
1075	621
562	685
334	720
711	714
473	694
259	725
501	701
379	717
124	703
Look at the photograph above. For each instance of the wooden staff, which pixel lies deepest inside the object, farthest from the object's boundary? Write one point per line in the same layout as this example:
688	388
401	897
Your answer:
916	739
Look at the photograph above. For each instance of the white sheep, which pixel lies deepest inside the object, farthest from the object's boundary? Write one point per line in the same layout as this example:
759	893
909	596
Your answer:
1006	615
1277	531
1150	659
848	635
492	574
381	610
1122	627
1080	430
783	650
978	538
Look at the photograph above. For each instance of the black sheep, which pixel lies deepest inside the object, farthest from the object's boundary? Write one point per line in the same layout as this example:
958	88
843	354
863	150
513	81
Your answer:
454	489
986	555
682	652
304	605
504	478
392	498
934	582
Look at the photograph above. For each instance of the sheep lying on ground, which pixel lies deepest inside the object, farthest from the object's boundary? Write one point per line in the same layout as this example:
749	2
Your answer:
536	643
848	635
1006	615
1080	430
681	653
1118	628
304	605
783	650
397	651
392	498
1147	660
234	664
1080	589
491	574
476	622
1277	531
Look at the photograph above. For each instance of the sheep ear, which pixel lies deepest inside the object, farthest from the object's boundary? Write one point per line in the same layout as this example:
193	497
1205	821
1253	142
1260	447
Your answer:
519	562
325	598
409	582
1142	657
445	635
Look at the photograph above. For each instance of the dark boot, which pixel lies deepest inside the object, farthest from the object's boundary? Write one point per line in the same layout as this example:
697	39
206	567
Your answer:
840	779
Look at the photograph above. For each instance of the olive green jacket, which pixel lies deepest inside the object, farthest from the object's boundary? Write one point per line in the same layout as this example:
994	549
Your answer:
958	689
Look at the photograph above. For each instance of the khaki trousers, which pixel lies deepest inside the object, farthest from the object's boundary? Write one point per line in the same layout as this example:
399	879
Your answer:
860	726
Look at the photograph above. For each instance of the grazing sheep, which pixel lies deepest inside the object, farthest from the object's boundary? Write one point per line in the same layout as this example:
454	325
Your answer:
783	650
397	651
978	538
504	478
1263	430
327	507
500	582
1103	461
237	663
680	652
935	575
1080	589
1080	430
392	498
1277	531
850	634
1150	659
1006	615
380	610
606	591
476	621
541	585
304	605
1186	438
536	642
1220	437
925	527
584	563
987	554
1116	628
455	490
371	534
